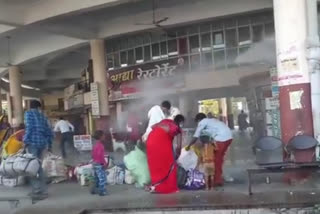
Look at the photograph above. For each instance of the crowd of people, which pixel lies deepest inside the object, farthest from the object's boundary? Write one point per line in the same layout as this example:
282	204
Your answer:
164	127
165	123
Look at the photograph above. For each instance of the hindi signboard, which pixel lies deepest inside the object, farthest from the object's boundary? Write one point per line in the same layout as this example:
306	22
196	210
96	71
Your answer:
95	105
82	142
137	79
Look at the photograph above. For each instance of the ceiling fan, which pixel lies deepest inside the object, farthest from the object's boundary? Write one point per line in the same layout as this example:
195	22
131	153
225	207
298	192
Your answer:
8	63
156	22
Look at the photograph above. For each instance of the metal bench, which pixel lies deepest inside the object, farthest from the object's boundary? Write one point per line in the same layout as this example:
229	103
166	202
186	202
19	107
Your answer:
280	168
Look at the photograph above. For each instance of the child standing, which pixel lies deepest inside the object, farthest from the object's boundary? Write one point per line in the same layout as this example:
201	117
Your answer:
207	163
99	164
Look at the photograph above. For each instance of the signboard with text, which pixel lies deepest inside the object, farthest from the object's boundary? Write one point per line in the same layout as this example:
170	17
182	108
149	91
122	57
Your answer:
95	105
82	142
164	74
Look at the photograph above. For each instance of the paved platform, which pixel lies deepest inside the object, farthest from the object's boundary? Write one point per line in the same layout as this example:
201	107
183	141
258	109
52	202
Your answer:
71	198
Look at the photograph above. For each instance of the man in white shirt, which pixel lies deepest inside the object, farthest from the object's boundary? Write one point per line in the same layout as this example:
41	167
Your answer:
66	129
220	133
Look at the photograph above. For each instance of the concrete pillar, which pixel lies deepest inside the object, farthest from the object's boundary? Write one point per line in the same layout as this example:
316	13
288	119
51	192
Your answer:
9	105
313	45
1	110
98	57
291	28
16	94
223	110
119	114
100	73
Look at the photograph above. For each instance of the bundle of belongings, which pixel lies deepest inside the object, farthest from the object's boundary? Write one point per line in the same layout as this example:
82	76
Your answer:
116	174
20	164
16	165
198	163
12	182
15	168
137	165
54	168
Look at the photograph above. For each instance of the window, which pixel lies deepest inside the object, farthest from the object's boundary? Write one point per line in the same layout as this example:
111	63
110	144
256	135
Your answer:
110	62
183	46
219	60
244	20
206	59
139	55
131	42
257	33
155	51
147	53
182	32
139	40
205	27
146	39
193	29
244	36
123	59
123	44
244	49
164	49
229	23
172	47
116	59
109	47
231	57
116	45
131	60
231	38
194	44
217	26
205	42
195	62
218	40
171	34
155	37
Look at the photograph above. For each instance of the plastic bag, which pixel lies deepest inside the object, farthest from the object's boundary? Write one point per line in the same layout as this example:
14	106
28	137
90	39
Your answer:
129	178
195	180
115	175
136	163
84	173
111	173
188	159
54	166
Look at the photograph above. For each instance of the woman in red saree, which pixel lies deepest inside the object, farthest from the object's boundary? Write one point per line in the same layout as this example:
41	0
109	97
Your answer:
160	155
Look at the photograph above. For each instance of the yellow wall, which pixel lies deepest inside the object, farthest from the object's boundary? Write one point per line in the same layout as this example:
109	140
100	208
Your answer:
51	100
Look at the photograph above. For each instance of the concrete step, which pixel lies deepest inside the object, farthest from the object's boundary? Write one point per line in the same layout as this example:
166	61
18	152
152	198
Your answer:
229	211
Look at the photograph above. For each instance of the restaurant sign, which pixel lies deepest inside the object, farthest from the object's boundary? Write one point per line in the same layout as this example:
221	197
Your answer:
166	72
